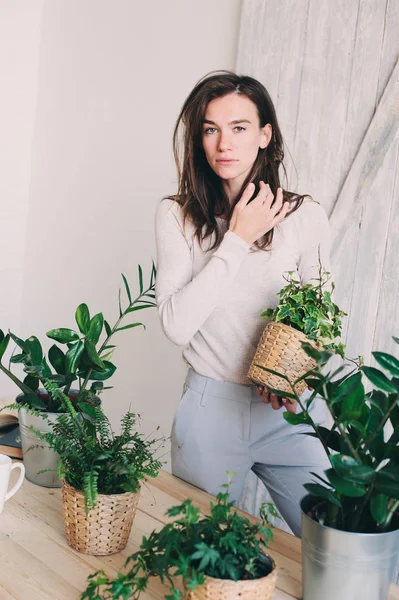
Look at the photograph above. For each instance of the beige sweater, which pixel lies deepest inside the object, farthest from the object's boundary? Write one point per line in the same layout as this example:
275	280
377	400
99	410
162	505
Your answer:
210	302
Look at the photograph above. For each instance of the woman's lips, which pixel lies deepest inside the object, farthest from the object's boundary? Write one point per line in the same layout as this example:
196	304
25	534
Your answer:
226	161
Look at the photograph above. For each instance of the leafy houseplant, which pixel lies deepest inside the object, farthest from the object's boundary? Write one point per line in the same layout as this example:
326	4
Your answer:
305	312
101	473
221	546
85	363
360	491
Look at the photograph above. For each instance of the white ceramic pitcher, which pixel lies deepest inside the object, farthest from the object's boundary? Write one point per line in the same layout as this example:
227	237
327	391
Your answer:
6	466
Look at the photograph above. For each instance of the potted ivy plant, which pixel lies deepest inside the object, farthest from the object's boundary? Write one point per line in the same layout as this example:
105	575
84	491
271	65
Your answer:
304	313
101	473
218	556
350	518
84	363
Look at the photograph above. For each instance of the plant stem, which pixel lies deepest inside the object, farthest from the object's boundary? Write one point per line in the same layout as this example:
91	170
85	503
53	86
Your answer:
359	512
390	514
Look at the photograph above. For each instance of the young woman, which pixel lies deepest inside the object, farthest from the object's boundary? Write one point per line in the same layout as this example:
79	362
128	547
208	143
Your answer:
224	243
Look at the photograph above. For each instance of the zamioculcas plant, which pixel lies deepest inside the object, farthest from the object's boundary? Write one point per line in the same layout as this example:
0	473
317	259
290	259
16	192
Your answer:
86	359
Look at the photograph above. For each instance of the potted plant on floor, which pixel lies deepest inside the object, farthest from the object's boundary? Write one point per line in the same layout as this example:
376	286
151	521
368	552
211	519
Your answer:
100	472
218	556
350	519
304	313
85	363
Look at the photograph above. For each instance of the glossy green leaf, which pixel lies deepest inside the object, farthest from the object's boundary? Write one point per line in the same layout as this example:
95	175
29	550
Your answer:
273	373
46	371
345	487
18	358
20	343
109	370
134	308
127	288
388	362
130	326
96	327
73	355
107	328
350	469
3	345
35	350
57	359
63	335
281	393
82	317
380	380
321	492
297	419
92	354
379	507
32	382
34	401
140	279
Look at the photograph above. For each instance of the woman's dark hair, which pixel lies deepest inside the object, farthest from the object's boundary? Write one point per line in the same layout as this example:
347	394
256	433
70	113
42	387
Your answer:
200	190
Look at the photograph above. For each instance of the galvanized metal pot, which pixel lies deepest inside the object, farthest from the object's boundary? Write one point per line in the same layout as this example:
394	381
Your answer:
37	454
339	564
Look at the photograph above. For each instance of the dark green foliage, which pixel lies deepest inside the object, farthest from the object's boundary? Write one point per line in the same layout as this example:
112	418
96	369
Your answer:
223	545
92	458
310	309
360	492
82	361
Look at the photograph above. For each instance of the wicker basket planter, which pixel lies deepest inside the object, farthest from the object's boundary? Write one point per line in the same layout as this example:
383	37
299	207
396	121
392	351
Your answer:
105	529
280	349
226	589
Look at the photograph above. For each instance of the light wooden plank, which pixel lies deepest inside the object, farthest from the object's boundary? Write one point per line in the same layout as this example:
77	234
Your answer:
375	145
387	322
370	260
390	45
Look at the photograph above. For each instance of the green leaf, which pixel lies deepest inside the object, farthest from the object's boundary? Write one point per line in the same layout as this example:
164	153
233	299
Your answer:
350	469
133	308
34	401
109	370
140	279
18	358
107	328
129	326
274	373
344	487
127	288
315	489
379	507
20	343
96	327
57	359
4	344
73	356
387	361
35	350
395	339
301	418
92	354
380	380
46	371
82	317
63	335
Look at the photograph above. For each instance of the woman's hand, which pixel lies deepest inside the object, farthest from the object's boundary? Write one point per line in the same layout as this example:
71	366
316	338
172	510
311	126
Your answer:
251	221
276	401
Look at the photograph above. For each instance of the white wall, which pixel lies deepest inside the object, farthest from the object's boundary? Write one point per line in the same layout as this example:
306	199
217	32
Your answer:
19	53
112	77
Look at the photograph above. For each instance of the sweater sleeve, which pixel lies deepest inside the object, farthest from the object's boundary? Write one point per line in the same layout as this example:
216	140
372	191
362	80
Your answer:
314	241
185	302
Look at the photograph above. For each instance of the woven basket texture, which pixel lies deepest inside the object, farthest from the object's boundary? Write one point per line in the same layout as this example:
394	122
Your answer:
280	349
105	529
226	589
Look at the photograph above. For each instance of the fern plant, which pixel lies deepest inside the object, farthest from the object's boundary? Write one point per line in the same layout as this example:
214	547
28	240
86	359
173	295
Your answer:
309	308
91	457
224	545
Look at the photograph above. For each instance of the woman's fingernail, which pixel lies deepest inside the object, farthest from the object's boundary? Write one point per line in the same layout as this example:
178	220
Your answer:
284	400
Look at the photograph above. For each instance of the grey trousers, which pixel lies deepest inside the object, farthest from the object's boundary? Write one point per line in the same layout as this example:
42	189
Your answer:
222	426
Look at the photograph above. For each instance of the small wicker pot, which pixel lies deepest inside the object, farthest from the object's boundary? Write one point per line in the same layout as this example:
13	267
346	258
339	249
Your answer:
226	589
280	349
105	529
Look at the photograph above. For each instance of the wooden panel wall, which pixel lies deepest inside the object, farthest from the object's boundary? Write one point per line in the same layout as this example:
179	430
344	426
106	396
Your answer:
331	67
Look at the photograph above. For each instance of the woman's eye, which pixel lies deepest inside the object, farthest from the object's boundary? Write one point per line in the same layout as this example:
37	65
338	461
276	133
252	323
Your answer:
210	130
239	128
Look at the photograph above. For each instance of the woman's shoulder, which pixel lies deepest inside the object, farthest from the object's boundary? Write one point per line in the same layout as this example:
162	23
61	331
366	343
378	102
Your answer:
168	208
309	215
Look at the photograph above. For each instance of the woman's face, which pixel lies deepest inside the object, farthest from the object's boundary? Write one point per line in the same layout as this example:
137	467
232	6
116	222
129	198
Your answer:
232	136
